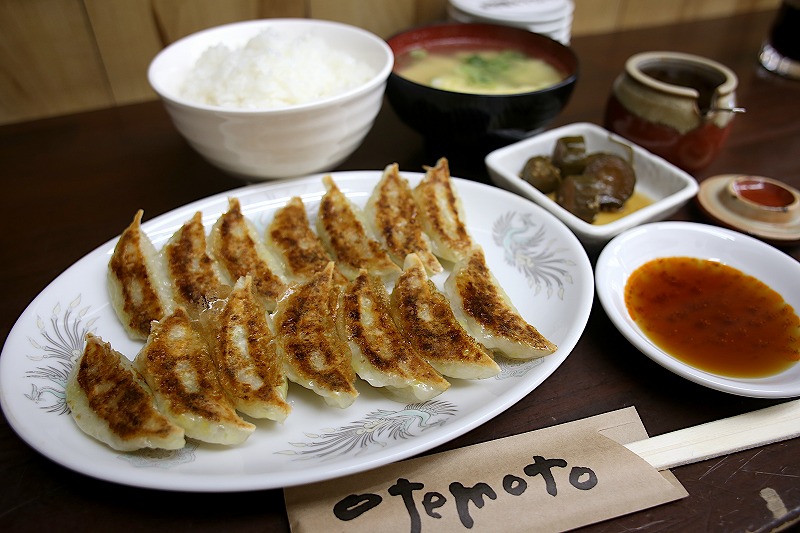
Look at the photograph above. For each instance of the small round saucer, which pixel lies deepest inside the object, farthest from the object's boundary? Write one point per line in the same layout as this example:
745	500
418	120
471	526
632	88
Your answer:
722	200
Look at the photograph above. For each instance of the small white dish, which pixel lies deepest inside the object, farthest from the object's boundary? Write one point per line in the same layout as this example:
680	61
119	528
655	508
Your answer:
628	251
668	186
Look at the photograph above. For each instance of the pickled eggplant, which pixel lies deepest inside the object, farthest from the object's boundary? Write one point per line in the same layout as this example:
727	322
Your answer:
540	172
615	178
579	194
569	155
583	183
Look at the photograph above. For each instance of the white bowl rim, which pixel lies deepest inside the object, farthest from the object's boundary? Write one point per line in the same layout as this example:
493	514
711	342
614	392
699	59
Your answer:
379	78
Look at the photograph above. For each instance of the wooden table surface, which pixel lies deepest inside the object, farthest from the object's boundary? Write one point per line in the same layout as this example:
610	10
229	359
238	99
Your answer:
71	183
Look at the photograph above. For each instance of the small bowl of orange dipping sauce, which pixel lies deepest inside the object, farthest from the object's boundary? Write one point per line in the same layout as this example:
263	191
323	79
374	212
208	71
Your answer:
715	306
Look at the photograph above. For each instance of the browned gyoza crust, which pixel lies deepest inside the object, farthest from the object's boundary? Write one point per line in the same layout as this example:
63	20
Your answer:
489	315
138	292
426	318
346	237
177	366
191	269
381	354
245	353
109	400
393	215
236	248
314	354
290	235
441	213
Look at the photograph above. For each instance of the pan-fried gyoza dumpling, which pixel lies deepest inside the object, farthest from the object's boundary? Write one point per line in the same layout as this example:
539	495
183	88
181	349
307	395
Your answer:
381	354
244	351
425	317
194	274
486	311
138	284
236	246
341	228
392	215
291	236
442	214
110	401
314	354
176	364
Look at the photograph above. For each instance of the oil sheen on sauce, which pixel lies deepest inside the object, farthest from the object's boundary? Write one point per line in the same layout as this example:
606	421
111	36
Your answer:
714	317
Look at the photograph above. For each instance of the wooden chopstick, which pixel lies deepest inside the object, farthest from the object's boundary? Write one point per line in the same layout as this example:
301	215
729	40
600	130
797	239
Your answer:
720	437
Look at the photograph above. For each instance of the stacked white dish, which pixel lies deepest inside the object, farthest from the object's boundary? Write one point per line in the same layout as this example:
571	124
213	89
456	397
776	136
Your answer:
552	18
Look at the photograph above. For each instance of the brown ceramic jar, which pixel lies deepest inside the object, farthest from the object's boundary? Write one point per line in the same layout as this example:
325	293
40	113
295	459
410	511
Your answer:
678	106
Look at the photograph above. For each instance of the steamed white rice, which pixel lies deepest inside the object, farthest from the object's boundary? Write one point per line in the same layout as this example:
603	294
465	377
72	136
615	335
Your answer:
273	70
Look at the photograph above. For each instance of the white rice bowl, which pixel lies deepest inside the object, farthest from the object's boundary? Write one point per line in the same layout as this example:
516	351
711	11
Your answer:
274	98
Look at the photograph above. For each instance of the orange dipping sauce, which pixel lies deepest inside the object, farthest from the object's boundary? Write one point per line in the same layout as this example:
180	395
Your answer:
714	317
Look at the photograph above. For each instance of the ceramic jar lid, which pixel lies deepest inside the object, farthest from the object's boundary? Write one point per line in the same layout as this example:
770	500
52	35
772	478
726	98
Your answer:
762	207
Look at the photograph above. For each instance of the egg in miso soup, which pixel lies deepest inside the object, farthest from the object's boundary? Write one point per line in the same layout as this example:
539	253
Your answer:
478	71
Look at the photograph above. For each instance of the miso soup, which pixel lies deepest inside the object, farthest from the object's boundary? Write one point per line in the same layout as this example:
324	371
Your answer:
479	71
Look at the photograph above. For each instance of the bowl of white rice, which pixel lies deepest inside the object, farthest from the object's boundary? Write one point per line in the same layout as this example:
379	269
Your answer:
274	98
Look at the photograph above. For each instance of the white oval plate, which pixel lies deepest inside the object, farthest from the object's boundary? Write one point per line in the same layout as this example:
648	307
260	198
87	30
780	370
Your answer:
535	257
626	252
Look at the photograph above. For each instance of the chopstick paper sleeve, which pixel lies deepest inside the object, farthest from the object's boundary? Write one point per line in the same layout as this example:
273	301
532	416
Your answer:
553	479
